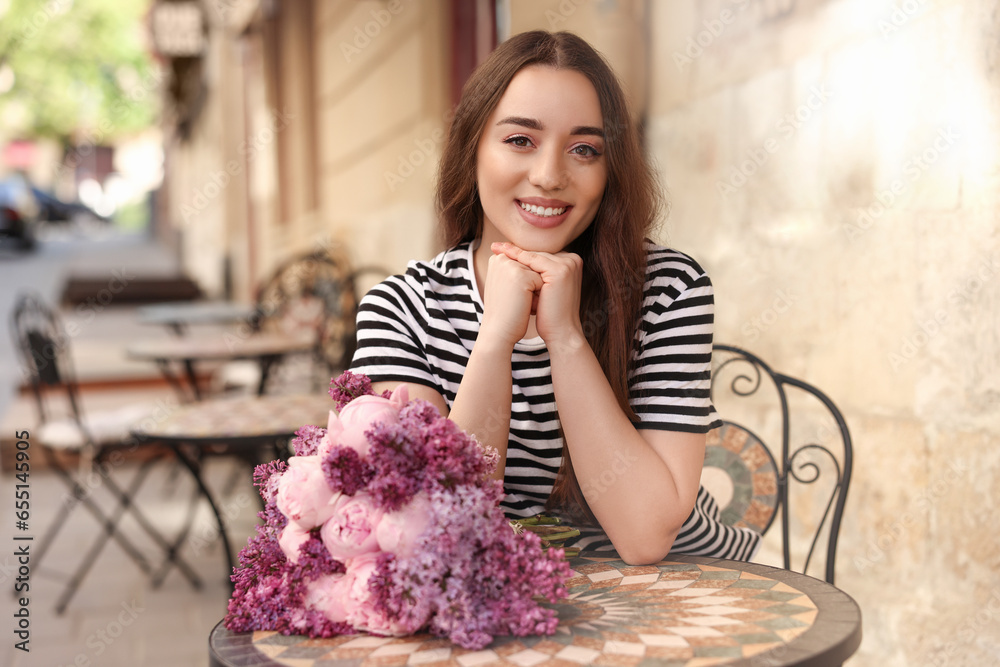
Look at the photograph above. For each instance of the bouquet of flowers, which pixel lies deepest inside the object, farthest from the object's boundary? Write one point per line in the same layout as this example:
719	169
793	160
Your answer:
385	522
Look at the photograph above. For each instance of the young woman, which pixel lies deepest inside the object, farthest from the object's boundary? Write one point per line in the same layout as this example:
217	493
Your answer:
551	328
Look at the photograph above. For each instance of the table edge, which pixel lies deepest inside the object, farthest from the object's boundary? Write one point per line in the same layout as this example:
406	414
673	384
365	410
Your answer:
842	649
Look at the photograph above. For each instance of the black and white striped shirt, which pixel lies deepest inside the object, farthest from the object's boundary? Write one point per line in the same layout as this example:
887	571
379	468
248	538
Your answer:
420	327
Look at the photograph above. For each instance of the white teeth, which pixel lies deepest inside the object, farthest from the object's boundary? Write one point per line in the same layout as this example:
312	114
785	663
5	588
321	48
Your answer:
544	212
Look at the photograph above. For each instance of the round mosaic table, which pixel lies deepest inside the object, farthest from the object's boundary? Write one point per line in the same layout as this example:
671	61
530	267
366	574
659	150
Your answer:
244	421
686	611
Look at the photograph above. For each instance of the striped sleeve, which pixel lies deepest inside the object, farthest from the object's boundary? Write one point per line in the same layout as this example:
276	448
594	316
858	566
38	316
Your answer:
670	381
391	329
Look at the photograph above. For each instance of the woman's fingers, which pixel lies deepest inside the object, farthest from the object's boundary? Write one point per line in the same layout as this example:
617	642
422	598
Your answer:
556	305
509	297
548	265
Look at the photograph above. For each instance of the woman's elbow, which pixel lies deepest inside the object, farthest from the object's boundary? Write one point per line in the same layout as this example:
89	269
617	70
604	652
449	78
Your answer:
645	552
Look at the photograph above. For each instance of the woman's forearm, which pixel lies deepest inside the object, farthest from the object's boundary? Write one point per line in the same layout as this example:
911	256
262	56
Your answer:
639	500
482	404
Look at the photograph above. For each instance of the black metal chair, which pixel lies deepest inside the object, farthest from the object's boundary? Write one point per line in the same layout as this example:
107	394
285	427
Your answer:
99	442
314	291
803	475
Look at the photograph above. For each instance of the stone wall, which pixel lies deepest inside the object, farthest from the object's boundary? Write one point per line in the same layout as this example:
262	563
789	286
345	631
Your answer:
834	165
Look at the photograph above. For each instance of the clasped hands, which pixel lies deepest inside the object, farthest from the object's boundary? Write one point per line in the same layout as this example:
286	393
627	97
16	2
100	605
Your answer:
521	283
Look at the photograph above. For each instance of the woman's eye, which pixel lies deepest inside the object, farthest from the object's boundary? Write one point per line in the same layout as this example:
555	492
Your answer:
585	150
519	141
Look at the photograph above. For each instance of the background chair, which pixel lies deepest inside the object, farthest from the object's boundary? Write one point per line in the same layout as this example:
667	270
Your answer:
316	291
65	432
794	463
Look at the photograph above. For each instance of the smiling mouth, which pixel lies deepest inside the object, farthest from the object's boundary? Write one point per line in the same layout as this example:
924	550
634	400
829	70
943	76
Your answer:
542	211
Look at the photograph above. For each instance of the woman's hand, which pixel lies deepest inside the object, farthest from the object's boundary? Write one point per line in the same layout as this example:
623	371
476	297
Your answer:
509	298
557	313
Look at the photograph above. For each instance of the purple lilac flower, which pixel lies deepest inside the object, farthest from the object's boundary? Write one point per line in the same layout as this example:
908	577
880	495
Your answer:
265	478
397	458
307	439
349	386
471	575
346	472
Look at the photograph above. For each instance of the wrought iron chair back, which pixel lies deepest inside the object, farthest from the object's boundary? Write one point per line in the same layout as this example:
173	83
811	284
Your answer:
792	462
311	291
317	291
45	361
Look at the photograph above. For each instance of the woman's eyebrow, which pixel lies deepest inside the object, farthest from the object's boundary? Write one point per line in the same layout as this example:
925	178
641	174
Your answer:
529	123
588	130
533	124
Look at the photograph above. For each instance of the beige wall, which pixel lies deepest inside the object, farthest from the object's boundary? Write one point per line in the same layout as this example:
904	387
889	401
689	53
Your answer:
383	110
778	127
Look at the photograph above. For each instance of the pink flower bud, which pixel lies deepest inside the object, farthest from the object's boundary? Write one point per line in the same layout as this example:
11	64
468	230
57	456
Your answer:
303	493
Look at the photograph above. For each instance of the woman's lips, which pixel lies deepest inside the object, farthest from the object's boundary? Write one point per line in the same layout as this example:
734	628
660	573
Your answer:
541	214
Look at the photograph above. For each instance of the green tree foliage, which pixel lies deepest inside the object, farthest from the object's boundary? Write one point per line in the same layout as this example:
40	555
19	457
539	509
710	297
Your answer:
82	69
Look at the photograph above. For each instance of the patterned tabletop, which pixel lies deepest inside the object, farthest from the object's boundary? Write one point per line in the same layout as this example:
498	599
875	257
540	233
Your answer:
234	345
687	611
241	418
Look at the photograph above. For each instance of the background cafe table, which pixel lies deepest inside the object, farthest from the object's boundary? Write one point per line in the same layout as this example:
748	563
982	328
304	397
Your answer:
266	348
246	422
178	315
685	611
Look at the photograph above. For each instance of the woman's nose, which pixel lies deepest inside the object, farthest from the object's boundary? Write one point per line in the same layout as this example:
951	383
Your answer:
548	171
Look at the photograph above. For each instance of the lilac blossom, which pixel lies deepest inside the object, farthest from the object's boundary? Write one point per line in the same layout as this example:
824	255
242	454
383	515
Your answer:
446	560
307	439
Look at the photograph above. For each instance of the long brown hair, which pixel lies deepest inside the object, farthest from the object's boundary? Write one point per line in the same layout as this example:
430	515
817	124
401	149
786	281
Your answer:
612	246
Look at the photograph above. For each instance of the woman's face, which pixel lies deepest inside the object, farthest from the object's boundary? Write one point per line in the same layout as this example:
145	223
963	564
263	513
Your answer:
540	164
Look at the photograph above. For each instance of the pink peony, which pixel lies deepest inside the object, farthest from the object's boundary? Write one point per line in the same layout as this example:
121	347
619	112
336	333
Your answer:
328	595
360	415
292	537
361	604
350	531
303	493
348	597
399	532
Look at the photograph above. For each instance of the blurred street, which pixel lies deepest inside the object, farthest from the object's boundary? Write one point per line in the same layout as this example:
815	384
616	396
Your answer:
90	252
116	617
